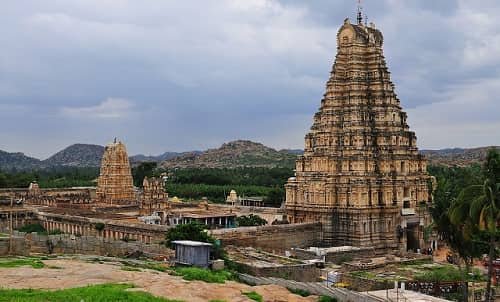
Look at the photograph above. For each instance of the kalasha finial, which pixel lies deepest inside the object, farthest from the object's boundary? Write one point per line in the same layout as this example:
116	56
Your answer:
360	14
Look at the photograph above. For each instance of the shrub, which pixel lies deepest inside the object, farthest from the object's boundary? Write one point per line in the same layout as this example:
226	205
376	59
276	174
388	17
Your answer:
33	228
250	220
300	292
99	226
196	232
194	273
254	296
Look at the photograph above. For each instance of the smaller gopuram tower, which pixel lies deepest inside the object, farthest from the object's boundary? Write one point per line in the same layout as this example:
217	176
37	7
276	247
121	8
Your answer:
115	179
154	197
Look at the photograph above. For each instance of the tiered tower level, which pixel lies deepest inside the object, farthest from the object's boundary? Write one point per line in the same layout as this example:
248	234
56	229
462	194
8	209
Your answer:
115	180
361	174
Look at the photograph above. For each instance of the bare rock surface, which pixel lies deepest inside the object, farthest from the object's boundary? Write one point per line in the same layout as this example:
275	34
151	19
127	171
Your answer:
76	273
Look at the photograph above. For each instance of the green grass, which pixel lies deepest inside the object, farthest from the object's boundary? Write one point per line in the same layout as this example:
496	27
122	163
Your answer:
448	273
95	293
300	292
194	273
17	262
254	296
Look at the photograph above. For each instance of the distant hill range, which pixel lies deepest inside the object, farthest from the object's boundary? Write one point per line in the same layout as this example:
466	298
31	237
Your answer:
240	153
457	156
77	155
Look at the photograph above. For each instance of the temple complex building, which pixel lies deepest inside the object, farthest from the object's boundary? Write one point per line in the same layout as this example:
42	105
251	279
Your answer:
361	175
115	182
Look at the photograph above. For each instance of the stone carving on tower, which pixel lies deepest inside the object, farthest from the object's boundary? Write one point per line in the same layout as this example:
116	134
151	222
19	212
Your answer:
115	184
361	174
154	197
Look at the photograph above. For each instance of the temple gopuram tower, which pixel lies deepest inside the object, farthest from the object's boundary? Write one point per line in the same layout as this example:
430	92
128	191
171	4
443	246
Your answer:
115	183
361	175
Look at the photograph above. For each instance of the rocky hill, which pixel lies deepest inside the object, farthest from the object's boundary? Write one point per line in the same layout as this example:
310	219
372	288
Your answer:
457	156
159	158
77	155
18	161
241	153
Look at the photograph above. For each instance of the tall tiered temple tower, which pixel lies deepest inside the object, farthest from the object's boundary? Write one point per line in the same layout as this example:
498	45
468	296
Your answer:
115	182
361	175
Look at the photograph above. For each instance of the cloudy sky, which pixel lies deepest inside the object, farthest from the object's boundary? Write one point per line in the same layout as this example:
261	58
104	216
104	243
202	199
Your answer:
182	75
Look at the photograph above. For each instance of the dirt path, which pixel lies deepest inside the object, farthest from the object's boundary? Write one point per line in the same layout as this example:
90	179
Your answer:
75	273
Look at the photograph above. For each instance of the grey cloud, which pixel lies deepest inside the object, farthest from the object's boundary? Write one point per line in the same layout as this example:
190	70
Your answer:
202	72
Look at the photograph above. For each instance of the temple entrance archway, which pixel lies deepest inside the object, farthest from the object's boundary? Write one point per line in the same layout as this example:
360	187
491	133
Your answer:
412	242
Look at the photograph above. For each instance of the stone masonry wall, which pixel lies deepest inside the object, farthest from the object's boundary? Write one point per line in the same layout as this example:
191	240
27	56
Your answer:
90	245
271	238
18	246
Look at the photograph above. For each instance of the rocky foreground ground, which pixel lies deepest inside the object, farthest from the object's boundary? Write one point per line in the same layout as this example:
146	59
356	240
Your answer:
76	272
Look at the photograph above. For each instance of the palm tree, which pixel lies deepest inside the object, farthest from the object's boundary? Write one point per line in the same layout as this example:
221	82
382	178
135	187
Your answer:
478	208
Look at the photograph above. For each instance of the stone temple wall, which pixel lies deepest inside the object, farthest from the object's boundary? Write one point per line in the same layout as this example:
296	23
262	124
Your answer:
25	244
274	238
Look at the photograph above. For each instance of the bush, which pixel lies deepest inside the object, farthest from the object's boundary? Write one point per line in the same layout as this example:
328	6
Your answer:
195	232
99	226
250	220
300	292
190	231
194	273
33	228
254	296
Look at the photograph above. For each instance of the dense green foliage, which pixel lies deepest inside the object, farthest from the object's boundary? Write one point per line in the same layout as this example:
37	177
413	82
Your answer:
266	177
142	170
95	293
250	220
466	209
51	178
33	228
195	232
195	273
450	183
189	231
254	296
215	184
476	211
300	292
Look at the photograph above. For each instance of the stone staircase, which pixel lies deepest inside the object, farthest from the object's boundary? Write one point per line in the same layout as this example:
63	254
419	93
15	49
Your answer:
315	288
